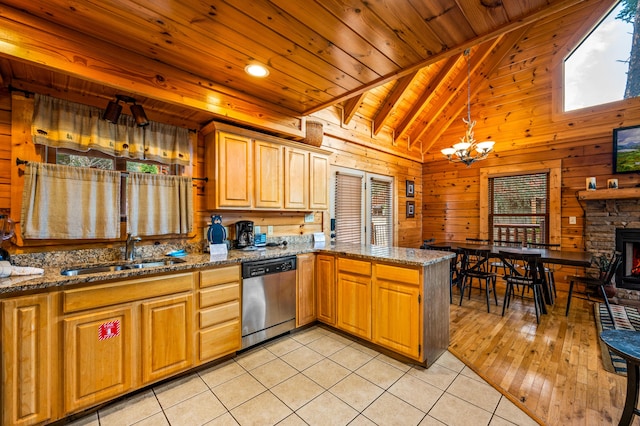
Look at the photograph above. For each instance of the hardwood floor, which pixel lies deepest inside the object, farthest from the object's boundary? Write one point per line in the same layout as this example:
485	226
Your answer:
554	369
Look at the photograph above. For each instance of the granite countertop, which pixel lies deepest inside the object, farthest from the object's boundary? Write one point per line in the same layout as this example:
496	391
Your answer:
14	285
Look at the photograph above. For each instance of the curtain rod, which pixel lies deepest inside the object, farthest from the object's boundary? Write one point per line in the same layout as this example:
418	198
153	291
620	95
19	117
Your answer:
20	162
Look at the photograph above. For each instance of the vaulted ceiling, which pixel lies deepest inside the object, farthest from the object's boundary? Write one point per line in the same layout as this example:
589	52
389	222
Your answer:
398	63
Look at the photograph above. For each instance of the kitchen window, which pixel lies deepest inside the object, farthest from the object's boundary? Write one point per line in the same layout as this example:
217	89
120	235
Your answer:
362	207
98	160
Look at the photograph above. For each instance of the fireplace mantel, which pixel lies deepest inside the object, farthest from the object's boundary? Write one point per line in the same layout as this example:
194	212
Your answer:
610	194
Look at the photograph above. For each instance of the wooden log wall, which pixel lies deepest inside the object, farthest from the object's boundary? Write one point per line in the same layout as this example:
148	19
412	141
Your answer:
5	151
515	108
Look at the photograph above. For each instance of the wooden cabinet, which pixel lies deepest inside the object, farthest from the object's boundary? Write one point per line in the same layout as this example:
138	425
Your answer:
396	308
326	289
230	162
26	360
121	335
305	290
268	174
99	354
296	179
318	181
248	169
354	297
219	314
166	332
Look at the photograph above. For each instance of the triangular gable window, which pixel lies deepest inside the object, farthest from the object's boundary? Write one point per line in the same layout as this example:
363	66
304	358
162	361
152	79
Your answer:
597	70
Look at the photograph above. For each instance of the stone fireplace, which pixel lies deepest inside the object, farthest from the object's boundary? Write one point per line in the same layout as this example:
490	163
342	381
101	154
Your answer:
615	224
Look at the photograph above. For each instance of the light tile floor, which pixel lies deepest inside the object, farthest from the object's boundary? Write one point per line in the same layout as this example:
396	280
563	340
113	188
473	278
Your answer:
317	377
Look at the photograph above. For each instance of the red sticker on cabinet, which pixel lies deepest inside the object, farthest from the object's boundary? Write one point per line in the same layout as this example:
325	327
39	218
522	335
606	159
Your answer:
108	330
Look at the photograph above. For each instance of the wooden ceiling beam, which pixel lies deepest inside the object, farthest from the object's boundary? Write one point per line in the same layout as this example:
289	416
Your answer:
457	103
351	106
426	97
459	82
524	21
389	104
30	39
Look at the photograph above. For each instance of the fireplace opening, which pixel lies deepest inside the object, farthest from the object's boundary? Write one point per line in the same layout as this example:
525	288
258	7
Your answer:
628	243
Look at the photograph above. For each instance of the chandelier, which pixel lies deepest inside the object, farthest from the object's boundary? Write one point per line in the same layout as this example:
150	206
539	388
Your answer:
468	151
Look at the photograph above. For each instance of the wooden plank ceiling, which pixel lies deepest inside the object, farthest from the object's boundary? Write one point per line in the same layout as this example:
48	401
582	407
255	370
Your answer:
398	63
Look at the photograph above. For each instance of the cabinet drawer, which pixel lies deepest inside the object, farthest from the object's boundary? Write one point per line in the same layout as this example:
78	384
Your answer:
360	267
219	340
222	313
219	294
125	291
217	276
397	274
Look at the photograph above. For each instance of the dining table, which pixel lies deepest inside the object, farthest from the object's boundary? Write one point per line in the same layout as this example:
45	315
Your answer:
580	259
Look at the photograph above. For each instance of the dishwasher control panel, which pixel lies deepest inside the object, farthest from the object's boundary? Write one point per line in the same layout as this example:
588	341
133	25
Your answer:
268	266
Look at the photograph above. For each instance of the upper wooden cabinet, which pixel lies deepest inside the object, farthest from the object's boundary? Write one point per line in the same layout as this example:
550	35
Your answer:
247	169
318	181
232	171
268	175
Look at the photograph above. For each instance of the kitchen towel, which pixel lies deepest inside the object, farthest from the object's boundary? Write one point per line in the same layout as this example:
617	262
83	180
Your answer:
64	202
8	270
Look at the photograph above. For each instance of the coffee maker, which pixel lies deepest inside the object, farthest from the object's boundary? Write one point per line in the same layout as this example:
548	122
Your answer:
244	234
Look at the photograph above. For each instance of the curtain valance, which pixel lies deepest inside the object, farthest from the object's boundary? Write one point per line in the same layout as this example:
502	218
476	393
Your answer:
63	124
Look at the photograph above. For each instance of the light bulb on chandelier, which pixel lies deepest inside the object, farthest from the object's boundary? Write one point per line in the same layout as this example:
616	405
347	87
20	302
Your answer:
468	151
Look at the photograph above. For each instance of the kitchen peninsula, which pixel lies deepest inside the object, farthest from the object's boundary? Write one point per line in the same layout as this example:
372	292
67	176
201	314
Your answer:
149	324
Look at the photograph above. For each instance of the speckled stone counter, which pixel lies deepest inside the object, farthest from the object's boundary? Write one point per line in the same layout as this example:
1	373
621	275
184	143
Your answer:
52	277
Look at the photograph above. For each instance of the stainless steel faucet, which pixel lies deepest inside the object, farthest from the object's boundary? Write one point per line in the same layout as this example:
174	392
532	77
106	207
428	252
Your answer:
130	247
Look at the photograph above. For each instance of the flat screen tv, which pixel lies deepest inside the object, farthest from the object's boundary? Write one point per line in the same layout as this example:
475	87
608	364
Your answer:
626	149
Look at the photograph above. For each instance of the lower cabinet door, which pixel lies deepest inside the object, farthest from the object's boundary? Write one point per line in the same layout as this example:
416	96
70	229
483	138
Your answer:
167	330
98	357
396	317
26	360
354	304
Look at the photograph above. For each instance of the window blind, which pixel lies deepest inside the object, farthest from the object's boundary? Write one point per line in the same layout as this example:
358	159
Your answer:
381	213
348	207
519	208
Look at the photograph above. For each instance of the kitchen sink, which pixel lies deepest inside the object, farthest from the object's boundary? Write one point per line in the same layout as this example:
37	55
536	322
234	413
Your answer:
113	267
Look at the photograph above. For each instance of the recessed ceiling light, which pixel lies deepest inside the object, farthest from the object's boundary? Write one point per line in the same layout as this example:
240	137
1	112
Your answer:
256	70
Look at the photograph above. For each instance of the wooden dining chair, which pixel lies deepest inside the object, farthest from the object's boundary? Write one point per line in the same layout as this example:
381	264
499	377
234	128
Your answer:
599	282
475	265
527	276
496	265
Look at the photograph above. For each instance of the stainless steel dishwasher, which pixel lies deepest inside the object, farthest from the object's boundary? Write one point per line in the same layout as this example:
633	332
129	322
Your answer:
268	299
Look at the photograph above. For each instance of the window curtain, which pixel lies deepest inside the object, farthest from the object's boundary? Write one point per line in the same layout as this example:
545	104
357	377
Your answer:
159	205
62	202
62	124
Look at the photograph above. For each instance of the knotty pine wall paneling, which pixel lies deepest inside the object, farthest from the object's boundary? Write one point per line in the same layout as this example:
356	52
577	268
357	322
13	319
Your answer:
5	151
515	108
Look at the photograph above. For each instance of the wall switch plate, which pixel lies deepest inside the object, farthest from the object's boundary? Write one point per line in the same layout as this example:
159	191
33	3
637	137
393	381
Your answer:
269	230
572	220
256	230
309	217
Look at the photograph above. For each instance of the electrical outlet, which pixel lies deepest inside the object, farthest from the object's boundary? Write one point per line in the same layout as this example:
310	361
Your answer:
572	220
309	217
269	230
256	230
